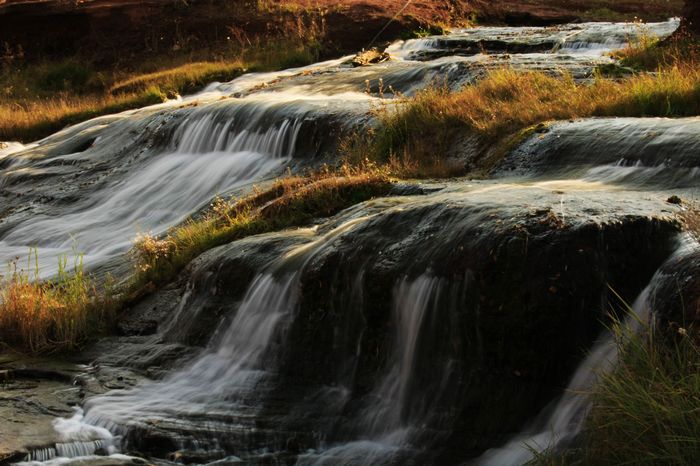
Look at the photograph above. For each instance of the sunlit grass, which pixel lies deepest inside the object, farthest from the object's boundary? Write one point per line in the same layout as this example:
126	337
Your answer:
507	101
648	53
290	201
39	100
33	119
59	314
646	410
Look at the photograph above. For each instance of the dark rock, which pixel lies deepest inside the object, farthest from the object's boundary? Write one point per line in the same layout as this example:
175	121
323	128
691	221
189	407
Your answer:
676	296
523	289
674	200
138	328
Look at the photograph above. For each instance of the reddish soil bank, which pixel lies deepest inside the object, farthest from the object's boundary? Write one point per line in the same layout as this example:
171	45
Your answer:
110	30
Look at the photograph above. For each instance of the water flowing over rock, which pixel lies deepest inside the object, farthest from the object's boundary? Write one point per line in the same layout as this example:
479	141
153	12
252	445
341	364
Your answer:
428	327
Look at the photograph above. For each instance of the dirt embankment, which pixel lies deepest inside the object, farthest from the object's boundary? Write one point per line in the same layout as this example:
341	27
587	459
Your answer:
110	30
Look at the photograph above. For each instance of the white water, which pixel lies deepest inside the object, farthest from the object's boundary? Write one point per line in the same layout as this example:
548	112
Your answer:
224	380
7	148
162	192
218	381
594	39
75	439
387	422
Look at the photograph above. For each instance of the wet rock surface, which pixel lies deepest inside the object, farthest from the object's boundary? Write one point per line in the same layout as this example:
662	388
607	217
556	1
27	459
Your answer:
518	269
640	152
677	296
33	394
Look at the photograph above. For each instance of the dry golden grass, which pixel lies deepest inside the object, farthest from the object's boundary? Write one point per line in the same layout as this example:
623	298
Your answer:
182	79
508	101
650	54
40	99
40	316
33	119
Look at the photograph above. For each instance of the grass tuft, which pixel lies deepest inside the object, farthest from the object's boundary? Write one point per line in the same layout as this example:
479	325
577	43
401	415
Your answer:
508	101
646	411
59	314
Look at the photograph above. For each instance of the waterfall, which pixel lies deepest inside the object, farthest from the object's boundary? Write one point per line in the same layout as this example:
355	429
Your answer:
222	378
386	424
227	379
403	293
211	158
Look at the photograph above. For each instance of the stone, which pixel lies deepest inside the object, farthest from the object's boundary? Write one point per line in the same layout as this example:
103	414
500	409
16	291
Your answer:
370	57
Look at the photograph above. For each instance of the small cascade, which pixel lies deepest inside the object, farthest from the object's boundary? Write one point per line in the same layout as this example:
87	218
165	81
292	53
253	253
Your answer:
601	38
236	369
232	371
398	408
212	157
590	39
641	153
8	148
76	439
207	135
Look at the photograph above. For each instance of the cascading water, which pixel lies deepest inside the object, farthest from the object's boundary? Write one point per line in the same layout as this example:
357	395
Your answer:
233	370
561	423
386	423
408	307
165	189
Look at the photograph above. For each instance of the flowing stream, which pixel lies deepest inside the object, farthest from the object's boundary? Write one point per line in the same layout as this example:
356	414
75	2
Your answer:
380	335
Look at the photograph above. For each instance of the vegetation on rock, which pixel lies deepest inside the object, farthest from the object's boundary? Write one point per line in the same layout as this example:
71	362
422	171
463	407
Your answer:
290	201
419	131
58	314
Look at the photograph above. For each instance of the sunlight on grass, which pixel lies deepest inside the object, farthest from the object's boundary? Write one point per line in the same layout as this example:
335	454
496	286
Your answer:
290	201
646	410
58	314
508	101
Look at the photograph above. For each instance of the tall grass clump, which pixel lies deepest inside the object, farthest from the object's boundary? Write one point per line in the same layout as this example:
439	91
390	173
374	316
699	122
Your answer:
290	201
59	314
647	411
